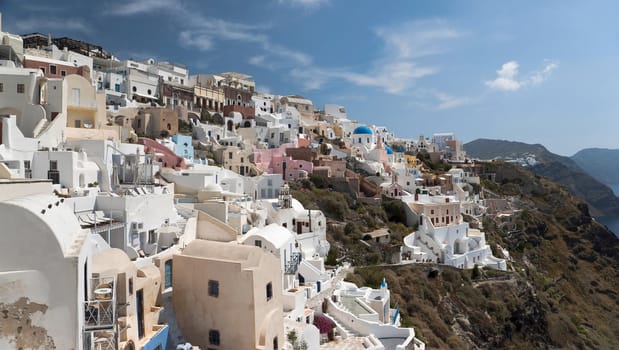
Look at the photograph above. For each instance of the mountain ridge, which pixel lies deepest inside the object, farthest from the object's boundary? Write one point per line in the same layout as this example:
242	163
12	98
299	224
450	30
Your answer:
563	170
601	163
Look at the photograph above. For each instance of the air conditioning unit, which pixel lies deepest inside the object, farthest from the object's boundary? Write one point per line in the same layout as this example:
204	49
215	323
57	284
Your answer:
136	226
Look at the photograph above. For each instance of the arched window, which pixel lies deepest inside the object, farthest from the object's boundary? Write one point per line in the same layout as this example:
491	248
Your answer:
135	89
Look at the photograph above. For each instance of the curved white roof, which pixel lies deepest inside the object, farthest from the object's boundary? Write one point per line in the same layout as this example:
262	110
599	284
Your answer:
274	233
53	213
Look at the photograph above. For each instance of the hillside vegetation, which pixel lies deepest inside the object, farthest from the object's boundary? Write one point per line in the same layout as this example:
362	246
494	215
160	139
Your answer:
560	292
563	170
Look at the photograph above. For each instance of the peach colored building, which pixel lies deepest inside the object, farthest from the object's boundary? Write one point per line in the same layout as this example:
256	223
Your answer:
85	107
228	296
154	122
135	292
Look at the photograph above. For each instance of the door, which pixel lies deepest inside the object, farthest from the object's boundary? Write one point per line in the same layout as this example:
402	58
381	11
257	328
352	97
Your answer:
139	300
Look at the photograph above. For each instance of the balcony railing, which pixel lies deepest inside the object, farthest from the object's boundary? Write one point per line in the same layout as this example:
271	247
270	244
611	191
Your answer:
101	340
100	308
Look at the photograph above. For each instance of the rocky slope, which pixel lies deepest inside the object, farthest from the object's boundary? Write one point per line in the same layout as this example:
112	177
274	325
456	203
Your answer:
560	292
563	170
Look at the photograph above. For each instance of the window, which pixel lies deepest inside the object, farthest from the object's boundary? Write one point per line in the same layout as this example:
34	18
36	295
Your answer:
213	337
76	96
53	165
258	243
131	286
269	291
78	123
117	87
152	237
213	288
149	91
168	273
26	164
229	155
1	87
432	211
21	88
52	70
242	160
100	85
275	344
134	89
63	73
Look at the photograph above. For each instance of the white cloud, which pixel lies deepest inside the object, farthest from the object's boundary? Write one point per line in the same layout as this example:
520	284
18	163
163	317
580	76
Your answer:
417	39
204	33
538	77
305	3
46	24
507	77
198	40
449	102
134	7
398	66
436	100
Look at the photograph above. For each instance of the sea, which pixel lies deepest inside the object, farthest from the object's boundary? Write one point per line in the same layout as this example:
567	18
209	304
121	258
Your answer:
612	222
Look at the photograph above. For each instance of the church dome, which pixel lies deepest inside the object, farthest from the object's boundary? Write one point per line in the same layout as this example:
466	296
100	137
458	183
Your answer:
363	130
388	149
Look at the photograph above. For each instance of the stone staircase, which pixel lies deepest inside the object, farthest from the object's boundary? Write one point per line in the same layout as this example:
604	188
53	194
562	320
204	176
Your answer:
344	331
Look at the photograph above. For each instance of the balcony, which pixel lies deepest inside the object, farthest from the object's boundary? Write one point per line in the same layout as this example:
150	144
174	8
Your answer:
100	308
100	340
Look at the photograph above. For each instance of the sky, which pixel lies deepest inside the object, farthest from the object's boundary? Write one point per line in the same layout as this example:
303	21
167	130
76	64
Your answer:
532	71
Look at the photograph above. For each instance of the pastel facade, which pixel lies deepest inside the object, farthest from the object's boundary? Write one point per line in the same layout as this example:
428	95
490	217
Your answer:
85	107
228	296
183	147
135	292
156	122
207	94
303	105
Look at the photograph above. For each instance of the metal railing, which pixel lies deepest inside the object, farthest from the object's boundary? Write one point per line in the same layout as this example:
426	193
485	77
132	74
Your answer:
100	308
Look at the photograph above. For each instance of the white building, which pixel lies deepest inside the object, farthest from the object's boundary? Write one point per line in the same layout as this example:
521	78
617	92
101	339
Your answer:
45	269
442	237
366	311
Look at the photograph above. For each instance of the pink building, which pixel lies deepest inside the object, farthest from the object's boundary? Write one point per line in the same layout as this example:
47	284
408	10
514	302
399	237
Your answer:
167	157
274	160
